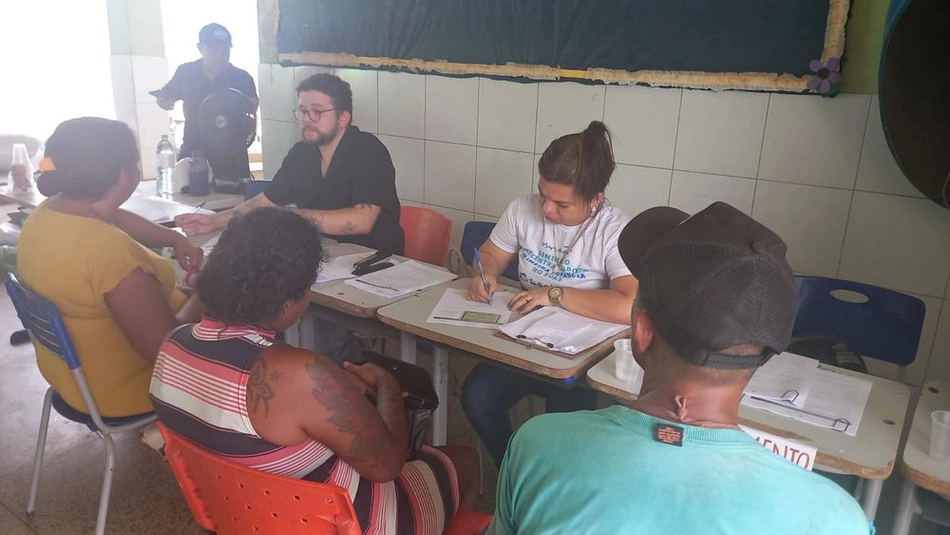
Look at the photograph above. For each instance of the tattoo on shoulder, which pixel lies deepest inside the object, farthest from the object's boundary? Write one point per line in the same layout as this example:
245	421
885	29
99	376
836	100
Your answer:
258	391
349	227
341	401
364	206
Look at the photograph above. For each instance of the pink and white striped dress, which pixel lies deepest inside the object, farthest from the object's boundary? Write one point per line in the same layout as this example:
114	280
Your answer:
199	387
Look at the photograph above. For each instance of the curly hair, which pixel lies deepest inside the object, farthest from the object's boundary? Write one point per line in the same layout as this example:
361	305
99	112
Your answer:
262	259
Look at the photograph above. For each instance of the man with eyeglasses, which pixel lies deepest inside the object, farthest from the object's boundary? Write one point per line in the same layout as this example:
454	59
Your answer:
339	177
193	82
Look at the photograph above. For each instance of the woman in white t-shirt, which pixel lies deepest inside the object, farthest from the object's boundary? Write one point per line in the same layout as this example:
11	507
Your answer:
565	240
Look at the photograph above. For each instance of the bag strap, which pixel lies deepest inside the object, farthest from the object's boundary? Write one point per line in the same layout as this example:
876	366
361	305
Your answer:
456	263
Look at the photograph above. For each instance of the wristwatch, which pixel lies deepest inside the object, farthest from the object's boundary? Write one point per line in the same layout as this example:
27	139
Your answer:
555	293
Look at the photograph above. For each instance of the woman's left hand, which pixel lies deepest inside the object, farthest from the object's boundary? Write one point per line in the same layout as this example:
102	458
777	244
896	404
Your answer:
188	256
528	300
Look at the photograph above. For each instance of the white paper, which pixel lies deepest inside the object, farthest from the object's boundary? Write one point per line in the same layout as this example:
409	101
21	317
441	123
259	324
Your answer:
557	329
340	267
835	401
785	377
408	277
454	306
798	452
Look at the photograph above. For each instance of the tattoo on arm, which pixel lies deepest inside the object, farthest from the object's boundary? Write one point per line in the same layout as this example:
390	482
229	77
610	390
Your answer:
258	391
339	400
349	227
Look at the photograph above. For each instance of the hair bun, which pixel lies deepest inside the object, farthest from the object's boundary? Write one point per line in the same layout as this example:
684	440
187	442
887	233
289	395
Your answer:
48	184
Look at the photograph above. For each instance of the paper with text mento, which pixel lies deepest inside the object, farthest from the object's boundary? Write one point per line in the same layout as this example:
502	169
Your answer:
797	452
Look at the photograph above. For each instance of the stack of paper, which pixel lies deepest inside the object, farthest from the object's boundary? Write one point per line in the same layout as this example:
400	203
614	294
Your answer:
835	401
454	308
785	377
559	330
408	277
340	267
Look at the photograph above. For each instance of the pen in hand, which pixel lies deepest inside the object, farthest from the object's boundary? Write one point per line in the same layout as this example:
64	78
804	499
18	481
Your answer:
199	207
481	272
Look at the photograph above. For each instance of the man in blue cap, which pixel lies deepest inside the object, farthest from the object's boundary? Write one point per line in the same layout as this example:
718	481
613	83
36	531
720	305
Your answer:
193	82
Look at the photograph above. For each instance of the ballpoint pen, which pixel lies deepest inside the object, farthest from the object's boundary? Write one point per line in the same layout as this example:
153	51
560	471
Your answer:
199	207
481	272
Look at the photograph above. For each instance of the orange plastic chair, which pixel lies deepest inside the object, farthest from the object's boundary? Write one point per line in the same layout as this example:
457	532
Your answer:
427	234
231	499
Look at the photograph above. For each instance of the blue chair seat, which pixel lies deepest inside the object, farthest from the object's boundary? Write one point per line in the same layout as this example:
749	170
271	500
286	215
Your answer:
67	411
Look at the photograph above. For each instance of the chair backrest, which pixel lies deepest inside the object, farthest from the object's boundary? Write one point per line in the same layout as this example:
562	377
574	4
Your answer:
884	325
232	499
473	236
42	319
254	187
427	234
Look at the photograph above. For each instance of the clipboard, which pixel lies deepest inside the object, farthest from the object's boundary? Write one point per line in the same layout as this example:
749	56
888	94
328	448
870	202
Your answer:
606	344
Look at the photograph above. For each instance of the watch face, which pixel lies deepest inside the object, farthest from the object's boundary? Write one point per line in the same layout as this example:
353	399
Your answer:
554	295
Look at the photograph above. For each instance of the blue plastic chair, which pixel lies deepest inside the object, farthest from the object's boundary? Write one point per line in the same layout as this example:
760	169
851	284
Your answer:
474	235
886	326
254	187
43	321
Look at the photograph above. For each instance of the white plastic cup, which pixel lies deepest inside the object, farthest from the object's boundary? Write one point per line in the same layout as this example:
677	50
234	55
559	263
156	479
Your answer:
21	168
940	435
627	368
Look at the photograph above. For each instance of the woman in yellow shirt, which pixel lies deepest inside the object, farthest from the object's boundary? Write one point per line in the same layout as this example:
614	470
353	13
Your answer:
91	259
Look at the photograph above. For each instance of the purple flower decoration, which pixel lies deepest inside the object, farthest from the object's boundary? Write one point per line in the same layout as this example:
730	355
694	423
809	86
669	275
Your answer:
827	76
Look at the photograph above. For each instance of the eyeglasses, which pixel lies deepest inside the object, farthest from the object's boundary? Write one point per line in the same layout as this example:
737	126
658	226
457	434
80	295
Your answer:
314	115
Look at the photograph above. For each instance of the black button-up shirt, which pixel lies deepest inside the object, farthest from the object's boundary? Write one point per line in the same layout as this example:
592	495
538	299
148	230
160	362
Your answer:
361	172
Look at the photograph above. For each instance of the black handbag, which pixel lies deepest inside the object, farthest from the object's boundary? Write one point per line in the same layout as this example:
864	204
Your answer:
420	401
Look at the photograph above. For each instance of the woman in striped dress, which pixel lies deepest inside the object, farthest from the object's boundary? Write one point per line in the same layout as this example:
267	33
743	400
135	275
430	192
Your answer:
227	385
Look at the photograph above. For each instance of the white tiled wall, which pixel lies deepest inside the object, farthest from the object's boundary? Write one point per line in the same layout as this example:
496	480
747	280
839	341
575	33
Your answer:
815	170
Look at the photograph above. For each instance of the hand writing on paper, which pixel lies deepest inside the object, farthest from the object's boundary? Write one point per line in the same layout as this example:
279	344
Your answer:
476	289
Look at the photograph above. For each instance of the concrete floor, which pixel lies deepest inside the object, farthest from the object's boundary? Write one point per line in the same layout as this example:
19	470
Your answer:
145	496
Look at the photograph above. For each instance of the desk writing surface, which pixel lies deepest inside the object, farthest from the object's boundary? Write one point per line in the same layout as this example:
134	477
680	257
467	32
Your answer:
214	201
346	298
916	464
870	454
410	315
142	202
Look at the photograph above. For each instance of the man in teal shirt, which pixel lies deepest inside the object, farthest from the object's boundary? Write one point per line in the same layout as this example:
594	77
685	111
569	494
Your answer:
717	299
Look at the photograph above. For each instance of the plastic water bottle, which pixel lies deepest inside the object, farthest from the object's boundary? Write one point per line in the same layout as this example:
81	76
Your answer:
165	158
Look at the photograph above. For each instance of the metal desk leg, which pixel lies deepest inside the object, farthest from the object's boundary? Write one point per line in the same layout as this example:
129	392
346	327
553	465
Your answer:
440	369
292	334
307	328
870	496
906	508
407	347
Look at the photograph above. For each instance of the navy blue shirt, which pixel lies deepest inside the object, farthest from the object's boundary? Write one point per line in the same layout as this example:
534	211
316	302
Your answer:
192	86
361	172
